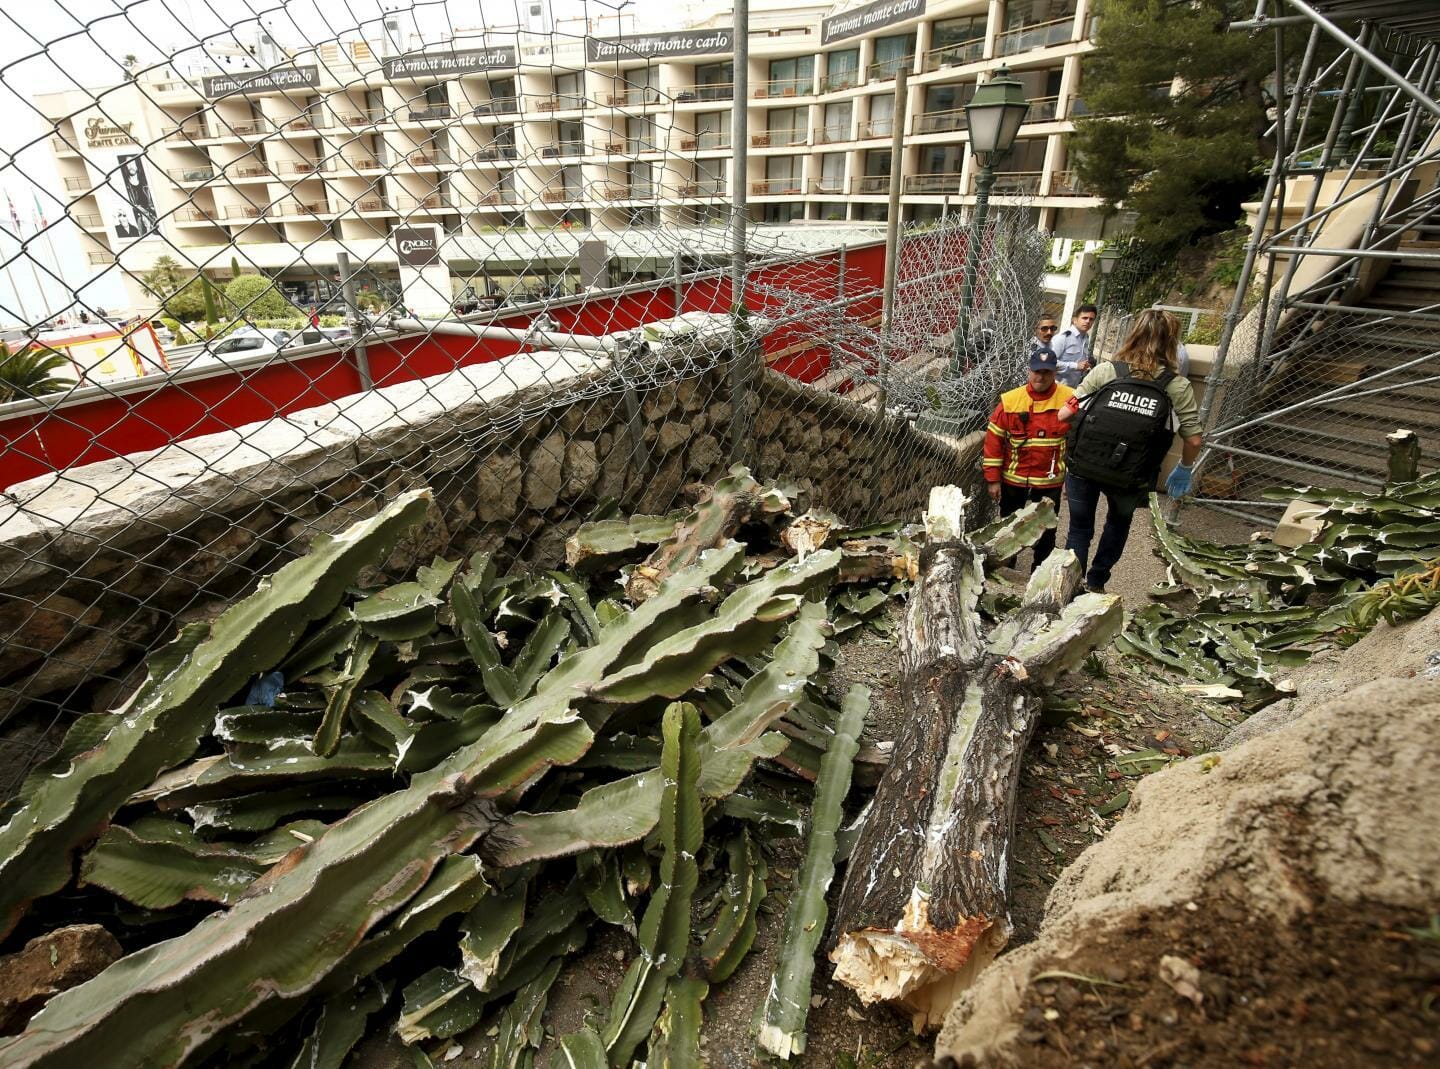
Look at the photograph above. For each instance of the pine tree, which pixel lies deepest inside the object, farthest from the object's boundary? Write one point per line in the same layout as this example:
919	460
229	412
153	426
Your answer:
1178	114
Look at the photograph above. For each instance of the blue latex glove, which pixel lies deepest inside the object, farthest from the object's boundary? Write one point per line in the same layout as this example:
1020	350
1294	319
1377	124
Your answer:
1178	484
265	690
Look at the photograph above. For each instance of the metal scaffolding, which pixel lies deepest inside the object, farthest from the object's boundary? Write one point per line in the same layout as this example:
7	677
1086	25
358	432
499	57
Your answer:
1333	336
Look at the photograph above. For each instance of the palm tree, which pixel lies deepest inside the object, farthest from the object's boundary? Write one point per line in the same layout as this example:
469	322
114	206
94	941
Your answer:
30	373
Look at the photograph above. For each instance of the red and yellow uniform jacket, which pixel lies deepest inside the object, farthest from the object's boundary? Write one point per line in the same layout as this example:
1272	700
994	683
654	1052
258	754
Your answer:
1025	442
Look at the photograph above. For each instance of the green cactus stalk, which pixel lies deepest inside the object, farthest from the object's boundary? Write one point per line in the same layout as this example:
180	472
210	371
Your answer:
743	892
65	802
665	926
782	1016
675	1043
1004	538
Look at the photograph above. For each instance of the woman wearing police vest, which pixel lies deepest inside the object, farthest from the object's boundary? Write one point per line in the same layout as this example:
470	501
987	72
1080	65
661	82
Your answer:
1123	417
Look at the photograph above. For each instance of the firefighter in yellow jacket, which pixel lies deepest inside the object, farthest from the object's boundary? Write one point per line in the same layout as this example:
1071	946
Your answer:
1025	443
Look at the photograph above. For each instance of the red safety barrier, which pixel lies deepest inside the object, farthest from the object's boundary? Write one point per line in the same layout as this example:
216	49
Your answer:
149	416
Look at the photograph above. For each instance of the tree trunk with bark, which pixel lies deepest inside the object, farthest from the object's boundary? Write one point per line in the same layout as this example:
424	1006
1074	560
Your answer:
924	906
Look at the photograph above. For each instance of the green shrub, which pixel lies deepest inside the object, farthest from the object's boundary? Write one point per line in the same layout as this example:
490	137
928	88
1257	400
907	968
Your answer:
256	297
1206	331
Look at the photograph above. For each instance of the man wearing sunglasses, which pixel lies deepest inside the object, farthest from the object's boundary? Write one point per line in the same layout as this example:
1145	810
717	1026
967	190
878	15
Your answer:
1045	328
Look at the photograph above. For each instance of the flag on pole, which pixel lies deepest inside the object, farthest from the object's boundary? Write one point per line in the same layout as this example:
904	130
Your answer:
14	215
39	211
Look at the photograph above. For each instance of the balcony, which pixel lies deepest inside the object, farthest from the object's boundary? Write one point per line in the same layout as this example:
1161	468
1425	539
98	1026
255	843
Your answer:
89	221
699	94
845	79
940	122
242	211
636	96
886	69
562	102
833	135
1044	109
932	183
299	167
426	160
372	205
500	197
706	141
612	148
196	215
635	146
559	196
498	106
100	259
872	184
495	154
249	128
1036	35
1017	183
829	185
705	187
287	209
248	170
361	163
193	132
776	187
1067	184
569	148
297	124
955	55
873	128
428	114
341	120
786	87
422	205
63	147
75	185
782	138
186	175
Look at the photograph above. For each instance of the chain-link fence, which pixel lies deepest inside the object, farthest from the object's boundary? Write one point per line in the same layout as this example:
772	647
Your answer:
503	267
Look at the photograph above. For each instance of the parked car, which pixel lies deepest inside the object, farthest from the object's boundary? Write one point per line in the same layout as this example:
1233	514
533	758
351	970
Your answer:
337	333
242	345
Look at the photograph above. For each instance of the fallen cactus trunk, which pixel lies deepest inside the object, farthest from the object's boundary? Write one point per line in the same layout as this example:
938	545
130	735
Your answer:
924	903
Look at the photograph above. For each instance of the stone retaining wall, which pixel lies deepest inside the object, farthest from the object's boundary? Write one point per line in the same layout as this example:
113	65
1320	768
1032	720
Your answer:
99	564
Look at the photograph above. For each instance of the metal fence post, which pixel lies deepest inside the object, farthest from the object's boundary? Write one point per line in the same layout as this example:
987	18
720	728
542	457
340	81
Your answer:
358	323
741	354
892	227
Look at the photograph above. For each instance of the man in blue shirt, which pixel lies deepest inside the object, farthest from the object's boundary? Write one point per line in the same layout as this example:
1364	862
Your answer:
1072	346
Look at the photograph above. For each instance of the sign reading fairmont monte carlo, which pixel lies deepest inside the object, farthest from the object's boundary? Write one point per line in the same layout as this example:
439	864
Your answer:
220	85
469	61
870	17
659	45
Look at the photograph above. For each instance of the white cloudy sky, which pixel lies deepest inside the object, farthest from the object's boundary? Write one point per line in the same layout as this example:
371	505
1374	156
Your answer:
51	45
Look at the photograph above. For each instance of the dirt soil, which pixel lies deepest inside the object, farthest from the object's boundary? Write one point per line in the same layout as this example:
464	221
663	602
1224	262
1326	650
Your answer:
1352	987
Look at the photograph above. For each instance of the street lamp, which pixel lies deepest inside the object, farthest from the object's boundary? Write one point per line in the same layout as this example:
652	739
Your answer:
1108	258
993	116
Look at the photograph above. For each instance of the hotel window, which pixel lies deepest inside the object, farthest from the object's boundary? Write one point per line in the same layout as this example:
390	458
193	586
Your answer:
832	172
786	126
838	121
715	81
842	69
641	178
892	53
792	77
782	174
568	91
569	137
712	129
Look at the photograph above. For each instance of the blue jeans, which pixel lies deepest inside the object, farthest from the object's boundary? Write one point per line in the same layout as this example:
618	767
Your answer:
1084	496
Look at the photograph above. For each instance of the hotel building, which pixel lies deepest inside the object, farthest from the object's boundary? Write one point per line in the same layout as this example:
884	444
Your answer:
520	144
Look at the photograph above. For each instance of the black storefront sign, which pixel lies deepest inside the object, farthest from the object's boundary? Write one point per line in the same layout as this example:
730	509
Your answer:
870	17
219	85
659	45
417	247
469	61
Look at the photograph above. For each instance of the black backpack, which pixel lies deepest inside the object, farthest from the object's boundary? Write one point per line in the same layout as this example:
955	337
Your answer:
1121	435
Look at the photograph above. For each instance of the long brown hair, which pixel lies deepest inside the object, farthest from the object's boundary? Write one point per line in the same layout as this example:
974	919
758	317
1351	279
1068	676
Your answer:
1152	344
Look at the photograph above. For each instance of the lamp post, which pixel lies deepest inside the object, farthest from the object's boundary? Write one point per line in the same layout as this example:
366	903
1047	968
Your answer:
993	116
1108	258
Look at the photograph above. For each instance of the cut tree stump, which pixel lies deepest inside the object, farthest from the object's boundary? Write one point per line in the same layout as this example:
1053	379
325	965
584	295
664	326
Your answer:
924	906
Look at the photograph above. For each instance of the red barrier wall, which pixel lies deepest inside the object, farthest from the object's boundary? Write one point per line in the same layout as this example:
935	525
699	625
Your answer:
95	429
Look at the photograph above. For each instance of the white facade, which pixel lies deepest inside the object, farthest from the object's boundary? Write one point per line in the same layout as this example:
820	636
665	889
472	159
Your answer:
554	141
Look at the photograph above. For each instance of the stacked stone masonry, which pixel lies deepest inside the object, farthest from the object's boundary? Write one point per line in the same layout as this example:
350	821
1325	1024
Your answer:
99	564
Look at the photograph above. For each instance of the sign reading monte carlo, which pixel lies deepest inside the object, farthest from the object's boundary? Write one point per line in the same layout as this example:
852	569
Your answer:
469	61
659	45
219	85
870	17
